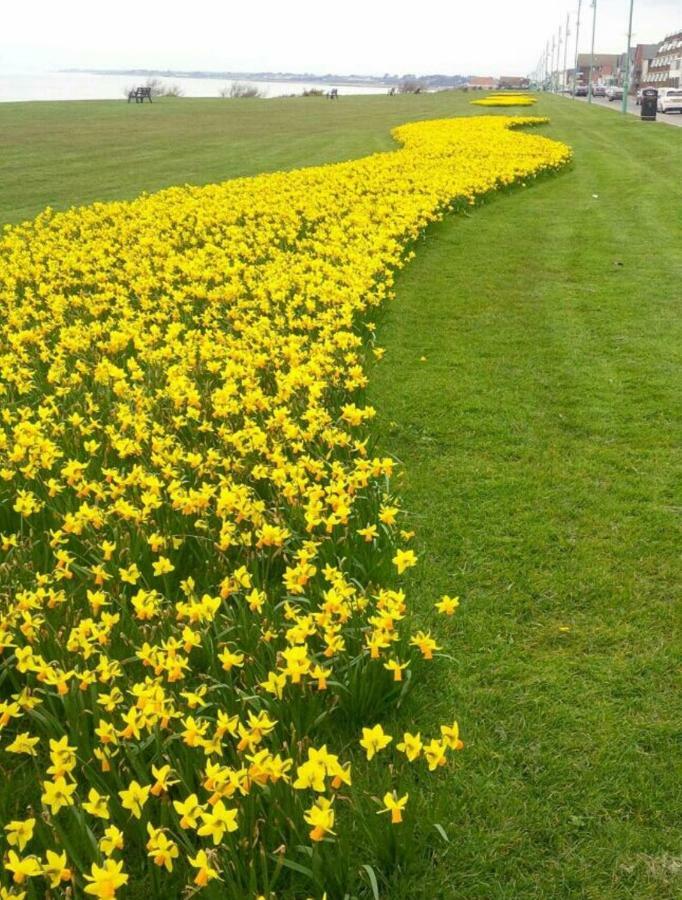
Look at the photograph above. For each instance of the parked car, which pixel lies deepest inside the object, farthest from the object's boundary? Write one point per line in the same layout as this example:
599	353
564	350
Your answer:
670	100
581	91
598	90
614	93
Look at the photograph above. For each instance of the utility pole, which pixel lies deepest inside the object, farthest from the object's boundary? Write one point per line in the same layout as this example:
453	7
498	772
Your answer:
565	75
626	80
552	79
594	25
577	35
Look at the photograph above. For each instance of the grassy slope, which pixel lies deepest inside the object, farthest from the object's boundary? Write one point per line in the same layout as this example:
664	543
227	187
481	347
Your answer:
542	447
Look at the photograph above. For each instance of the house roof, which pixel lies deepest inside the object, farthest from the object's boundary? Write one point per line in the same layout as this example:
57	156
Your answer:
513	78
481	79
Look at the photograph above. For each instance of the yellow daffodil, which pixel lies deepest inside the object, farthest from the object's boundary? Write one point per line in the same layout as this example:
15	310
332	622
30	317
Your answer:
189	811
217	822
450	735
111	841
434	752
411	745
55	868
447	605
97	804
160	848
206	872
393	665
164	776
394	805
19	833
21	869
134	798
404	559
104	881
321	817
57	794
23	743
373	740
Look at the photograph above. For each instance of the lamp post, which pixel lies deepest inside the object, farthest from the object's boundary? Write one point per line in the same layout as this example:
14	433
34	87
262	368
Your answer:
577	35
564	79
626	79
589	77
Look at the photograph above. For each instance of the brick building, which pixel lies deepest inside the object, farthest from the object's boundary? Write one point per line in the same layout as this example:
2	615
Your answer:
644	53
604	67
481	82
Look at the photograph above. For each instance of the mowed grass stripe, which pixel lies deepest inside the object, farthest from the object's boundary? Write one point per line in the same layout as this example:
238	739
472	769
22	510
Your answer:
541	446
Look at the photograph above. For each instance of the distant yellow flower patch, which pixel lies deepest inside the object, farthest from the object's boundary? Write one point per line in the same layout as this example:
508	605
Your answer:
198	552
505	100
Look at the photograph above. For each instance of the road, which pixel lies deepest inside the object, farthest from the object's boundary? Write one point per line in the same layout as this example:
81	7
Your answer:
668	118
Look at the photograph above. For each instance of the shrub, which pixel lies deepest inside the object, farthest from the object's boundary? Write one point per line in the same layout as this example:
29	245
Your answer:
239	89
172	90
410	86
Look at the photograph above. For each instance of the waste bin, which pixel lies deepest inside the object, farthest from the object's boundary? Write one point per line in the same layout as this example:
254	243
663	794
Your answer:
648	105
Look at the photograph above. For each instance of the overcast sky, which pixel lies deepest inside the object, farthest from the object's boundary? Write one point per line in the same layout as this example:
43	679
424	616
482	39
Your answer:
348	36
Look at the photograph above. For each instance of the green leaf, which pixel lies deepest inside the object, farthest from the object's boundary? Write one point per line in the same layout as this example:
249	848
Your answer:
296	867
441	832
372	880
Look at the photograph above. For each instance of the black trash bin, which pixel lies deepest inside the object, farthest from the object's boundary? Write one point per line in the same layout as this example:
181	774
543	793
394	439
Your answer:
648	105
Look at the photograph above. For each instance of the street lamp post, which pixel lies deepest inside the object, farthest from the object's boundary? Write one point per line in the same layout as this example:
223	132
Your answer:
577	35
626	80
589	77
564	79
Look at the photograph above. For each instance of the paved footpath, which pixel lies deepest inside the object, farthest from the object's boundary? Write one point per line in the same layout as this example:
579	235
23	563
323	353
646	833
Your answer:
667	118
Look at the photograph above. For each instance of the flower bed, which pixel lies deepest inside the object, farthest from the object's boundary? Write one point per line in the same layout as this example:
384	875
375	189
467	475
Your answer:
505	100
200	619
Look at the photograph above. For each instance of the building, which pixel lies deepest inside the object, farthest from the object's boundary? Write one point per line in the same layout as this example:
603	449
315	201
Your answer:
626	62
665	69
604	67
513	83
644	53
481	82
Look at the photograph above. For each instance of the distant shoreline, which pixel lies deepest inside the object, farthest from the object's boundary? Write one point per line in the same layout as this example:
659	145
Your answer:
282	77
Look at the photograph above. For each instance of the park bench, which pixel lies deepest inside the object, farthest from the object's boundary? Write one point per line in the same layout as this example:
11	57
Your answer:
139	94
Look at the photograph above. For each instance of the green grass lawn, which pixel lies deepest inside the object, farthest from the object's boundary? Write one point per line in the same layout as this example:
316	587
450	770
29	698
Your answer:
61	154
542	448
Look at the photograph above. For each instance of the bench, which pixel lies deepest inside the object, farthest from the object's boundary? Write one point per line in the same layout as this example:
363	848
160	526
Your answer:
139	94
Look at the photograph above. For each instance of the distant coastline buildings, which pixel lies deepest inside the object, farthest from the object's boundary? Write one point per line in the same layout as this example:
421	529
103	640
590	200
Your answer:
646	65
504	83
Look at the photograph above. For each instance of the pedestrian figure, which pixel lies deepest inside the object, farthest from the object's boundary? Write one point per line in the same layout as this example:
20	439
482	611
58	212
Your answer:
334	94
